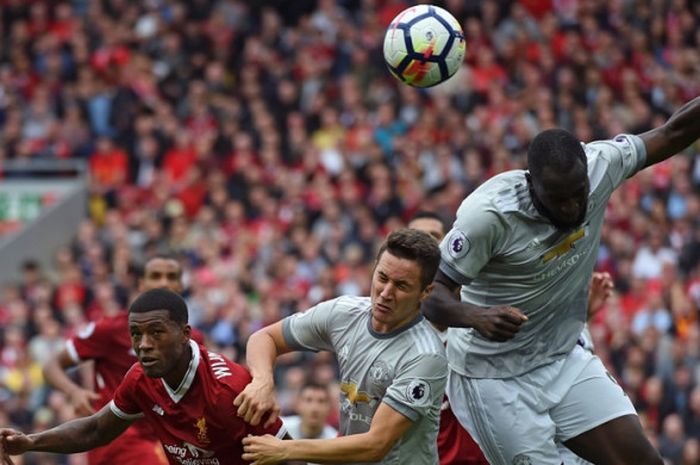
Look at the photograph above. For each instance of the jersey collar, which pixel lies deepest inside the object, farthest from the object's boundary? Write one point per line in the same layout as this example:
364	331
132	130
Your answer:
187	380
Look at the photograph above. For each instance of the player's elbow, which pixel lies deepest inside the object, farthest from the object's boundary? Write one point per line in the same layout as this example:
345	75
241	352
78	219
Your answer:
378	447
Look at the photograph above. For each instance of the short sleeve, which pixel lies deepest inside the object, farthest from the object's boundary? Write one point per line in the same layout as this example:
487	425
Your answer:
418	387
475	237
309	330
623	156
124	404
90	342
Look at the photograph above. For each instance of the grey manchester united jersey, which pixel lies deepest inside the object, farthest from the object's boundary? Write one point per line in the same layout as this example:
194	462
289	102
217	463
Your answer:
406	369
508	254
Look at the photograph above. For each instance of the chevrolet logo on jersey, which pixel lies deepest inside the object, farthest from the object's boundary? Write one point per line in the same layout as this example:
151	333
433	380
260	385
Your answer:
353	395
563	247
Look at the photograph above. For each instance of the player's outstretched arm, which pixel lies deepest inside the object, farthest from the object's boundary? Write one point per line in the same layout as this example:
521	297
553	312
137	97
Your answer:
444	307
387	427
681	130
74	436
54	371
258	398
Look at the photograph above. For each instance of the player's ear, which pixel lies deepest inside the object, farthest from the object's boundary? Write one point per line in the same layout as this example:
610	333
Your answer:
187	331
426	292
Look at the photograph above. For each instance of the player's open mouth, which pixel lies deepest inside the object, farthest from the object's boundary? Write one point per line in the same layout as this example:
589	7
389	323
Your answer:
147	362
382	308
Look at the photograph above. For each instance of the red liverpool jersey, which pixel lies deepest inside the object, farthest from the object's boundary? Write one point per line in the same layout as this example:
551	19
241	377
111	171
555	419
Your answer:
197	423
108	343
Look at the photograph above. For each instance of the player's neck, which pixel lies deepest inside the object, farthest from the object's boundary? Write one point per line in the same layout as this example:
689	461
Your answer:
174	378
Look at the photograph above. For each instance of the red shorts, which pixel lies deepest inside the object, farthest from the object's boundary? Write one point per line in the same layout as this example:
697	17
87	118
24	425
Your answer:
455	445
129	449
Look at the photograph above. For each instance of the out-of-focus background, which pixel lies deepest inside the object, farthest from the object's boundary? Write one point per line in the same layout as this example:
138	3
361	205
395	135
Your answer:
265	144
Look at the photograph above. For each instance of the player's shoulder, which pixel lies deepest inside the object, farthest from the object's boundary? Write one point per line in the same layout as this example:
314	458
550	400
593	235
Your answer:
424	341
603	149
501	194
352	303
136	375
345	304
105	327
223	372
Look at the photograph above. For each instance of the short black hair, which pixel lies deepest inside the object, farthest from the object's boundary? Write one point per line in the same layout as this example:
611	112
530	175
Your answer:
313	385
161	299
425	214
139	269
555	148
420	214
415	245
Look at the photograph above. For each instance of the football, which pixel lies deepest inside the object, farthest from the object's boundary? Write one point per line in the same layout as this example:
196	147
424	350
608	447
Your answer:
424	46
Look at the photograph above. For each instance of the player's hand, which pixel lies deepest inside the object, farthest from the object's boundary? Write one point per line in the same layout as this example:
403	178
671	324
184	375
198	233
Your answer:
498	324
13	442
81	400
257	399
263	450
601	289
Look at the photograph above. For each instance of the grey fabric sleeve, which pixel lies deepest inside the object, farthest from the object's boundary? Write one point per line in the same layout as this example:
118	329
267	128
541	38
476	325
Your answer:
419	387
309	330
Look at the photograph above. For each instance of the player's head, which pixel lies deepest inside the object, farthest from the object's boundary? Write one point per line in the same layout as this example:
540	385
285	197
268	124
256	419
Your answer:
314	405
159	331
402	277
161	271
558	178
429	222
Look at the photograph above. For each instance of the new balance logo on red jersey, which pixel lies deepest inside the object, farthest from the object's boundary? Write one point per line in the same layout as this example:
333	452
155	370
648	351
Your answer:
219	366
157	408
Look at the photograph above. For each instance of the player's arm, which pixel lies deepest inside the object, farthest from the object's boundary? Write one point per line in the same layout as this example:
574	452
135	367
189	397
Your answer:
443	306
54	371
258	398
681	130
74	436
601	289
387	427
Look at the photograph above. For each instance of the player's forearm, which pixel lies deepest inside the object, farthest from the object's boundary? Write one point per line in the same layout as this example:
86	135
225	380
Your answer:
681	130
74	436
57	378
261	353
354	448
444	307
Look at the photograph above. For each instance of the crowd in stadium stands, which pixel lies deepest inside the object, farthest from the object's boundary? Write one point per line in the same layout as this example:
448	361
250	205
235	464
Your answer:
266	145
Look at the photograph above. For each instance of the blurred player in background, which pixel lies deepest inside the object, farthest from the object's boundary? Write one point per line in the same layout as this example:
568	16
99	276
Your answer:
313	405
523	248
107	343
180	390
392	365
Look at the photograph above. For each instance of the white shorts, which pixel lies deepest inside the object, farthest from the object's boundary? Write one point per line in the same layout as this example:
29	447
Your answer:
518	421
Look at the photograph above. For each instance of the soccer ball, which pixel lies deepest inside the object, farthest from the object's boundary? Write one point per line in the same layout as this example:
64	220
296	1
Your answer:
424	46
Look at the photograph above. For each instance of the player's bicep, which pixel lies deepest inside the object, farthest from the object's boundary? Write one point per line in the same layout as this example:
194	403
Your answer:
656	144
447	282
275	332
